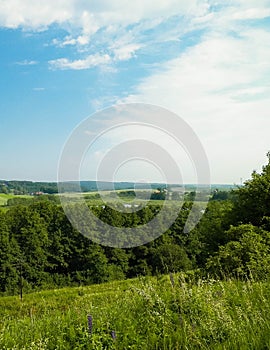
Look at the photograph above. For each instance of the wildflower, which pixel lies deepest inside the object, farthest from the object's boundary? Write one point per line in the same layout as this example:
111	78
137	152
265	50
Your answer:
113	335
90	324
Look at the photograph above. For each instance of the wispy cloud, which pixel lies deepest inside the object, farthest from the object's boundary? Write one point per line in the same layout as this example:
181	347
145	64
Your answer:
218	79
252	13
90	26
220	87
88	62
117	53
125	52
26	63
34	15
90	15
38	89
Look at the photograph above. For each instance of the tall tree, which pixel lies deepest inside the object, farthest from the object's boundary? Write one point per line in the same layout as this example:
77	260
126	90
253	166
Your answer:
252	200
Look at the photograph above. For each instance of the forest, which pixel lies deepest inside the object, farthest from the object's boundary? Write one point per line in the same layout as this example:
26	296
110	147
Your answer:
39	248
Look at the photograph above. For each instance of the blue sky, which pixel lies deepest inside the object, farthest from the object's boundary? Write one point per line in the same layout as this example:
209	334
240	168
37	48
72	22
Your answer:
203	60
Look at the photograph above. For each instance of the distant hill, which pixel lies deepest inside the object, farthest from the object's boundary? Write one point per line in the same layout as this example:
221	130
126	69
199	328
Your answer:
27	187
30	187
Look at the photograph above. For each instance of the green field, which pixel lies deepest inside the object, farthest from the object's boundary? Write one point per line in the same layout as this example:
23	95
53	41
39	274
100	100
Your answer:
149	313
93	198
4	197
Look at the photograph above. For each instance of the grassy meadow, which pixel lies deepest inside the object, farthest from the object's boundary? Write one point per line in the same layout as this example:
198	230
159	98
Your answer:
4	197
165	312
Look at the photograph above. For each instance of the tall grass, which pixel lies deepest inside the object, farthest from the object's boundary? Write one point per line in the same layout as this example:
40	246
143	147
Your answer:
151	313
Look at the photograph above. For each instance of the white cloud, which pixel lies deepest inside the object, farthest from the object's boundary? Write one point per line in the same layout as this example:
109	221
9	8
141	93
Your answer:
84	20
252	13
120	135
126	52
89	62
231	15
30	14
92	26
220	87
27	63
90	15
68	40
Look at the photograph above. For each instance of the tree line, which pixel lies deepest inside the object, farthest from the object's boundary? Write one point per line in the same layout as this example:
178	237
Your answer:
39	248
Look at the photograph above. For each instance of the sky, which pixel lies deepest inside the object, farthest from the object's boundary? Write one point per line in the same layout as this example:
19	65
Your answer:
206	61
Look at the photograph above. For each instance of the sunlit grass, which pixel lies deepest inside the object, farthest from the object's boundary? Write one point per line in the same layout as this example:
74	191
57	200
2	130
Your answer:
4	197
149	313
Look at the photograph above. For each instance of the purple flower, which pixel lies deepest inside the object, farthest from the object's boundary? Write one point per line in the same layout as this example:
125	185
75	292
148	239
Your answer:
90	324
113	334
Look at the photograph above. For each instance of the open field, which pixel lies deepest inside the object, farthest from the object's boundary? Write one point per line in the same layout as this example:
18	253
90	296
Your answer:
5	197
149	313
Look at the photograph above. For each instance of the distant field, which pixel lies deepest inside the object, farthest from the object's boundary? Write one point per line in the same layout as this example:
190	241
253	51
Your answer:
147	313
107	198
5	197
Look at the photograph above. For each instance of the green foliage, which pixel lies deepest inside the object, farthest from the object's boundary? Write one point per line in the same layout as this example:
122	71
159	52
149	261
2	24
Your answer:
246	255
232	238
211	229
252	200
221	195
245	248
9	251
28	200
26	187
146	314
4	189
5	197
170	258
40	249
159	194
52	253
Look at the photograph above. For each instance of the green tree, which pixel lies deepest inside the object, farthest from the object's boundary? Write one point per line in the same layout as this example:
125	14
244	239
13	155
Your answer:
170	258
252	200
3	189
9	251
95	264
210	232
247	254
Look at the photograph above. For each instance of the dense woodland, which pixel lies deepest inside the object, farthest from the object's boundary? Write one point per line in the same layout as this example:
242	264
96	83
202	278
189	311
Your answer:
39	248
